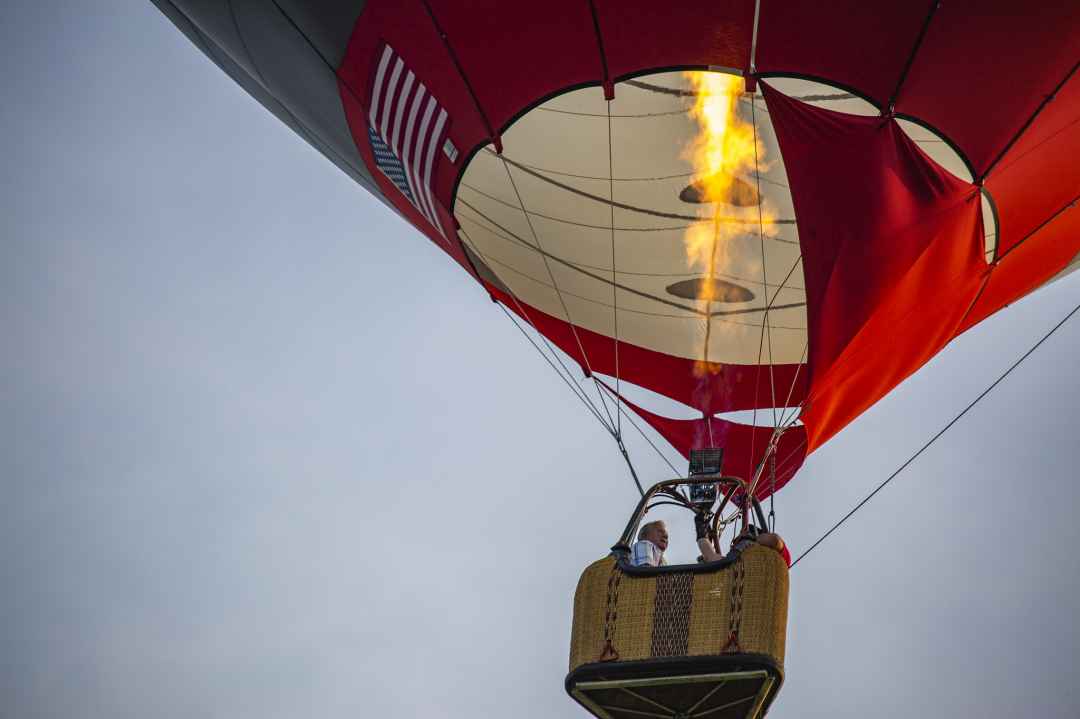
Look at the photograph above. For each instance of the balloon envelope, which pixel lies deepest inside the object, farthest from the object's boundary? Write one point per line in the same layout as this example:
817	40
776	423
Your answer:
916	174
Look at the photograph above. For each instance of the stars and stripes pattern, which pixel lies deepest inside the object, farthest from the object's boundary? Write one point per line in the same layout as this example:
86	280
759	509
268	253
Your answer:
390	165
406	125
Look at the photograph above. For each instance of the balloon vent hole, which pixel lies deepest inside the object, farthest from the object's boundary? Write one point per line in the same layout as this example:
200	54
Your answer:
710	290
728	190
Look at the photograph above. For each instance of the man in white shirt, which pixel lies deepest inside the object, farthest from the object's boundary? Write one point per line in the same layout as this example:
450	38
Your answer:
648	551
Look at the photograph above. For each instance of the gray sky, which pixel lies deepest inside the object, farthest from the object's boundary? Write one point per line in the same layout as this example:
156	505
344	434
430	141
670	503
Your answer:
267	452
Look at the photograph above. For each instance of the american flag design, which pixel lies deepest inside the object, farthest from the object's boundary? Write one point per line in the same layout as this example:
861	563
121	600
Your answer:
406	125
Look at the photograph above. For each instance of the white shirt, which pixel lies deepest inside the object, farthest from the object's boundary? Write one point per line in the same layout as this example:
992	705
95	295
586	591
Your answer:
646	554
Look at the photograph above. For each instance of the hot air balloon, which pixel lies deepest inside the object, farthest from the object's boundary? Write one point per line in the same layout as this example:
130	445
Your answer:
763	207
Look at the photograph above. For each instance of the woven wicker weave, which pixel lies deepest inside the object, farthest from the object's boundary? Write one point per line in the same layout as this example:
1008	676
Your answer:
644	604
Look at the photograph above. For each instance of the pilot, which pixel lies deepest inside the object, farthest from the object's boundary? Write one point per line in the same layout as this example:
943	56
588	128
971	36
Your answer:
748	537
648	551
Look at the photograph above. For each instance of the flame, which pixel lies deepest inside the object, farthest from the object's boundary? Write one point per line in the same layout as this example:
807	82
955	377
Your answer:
725	148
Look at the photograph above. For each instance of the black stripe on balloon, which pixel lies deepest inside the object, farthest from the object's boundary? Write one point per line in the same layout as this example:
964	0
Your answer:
631	208
625	288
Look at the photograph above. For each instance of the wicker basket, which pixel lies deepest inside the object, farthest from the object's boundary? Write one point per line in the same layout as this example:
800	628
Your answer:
711	620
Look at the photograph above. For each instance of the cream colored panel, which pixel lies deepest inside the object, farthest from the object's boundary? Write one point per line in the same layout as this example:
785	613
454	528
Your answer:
990	229
652	200
584	246
938	150
567	143
549	200
565	188
659	253
487	175
821	95
498	215
651	147
495	246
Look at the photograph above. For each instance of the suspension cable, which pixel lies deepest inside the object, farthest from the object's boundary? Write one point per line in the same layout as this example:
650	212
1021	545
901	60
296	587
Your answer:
630	419
630	465
614	287
786	421
761	238
584	400
554	284
940	432
611	428
568	378
761	345
588	405
772	493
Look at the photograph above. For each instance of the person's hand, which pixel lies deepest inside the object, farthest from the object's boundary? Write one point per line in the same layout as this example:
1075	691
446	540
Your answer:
701	525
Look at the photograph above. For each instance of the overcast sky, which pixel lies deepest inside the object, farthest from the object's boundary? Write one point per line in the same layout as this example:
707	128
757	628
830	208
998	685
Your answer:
267	452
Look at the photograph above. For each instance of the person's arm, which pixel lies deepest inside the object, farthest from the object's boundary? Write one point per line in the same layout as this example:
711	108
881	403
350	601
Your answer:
708	551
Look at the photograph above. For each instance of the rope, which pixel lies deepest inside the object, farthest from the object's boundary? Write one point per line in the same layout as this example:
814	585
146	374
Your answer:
613	424
786	422
568	378
761	345
614	288
630	419
630	465
757	384
573	388
652	444
761	238
554	284
772	493
942	431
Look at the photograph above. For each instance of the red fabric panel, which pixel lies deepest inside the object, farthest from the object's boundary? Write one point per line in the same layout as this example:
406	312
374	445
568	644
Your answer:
1029	265
859	44
984	67
1041	173
730	388
515	53
646	34
744	445
409	30
891	247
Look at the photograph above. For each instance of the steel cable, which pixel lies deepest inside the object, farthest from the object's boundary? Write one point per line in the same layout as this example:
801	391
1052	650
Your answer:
942	431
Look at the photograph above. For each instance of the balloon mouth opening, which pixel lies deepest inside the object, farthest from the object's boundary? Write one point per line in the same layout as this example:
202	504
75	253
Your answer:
736	192
709	289
615	229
